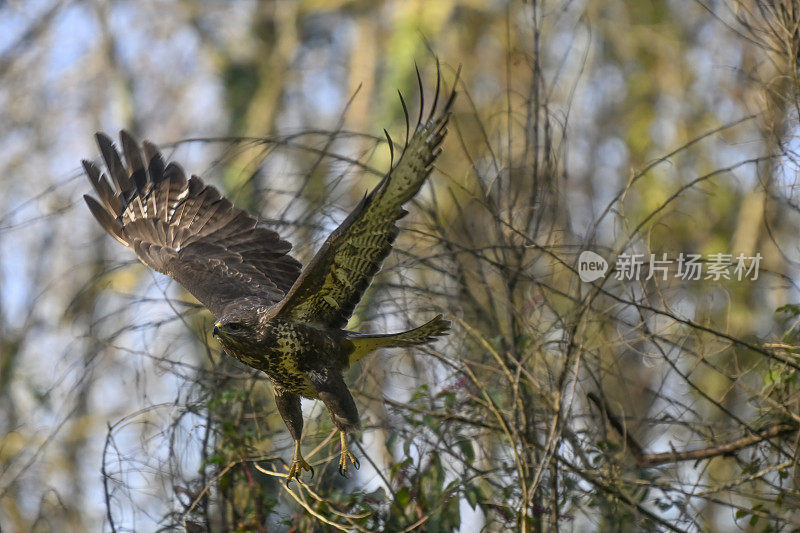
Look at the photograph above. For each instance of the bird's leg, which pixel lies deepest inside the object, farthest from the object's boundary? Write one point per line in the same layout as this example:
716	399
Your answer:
346	456
288	405
298	464
337	398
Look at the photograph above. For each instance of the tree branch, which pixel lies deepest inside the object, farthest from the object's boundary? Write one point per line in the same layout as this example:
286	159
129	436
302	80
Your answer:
649	460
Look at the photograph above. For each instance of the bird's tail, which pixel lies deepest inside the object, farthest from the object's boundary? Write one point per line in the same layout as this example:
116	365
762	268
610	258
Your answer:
366	343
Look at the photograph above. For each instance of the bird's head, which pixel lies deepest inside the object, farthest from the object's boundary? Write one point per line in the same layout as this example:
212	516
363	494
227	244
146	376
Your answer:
239	326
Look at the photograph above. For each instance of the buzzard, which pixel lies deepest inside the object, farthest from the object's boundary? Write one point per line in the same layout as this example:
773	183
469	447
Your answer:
272	315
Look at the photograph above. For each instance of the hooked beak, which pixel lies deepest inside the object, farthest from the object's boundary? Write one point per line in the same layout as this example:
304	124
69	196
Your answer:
216	329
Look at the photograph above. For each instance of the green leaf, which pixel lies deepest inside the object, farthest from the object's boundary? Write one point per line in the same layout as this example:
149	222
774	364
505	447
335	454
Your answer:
215	459
420	393
403	497
467	450
432	422
472	494
789	309
399	466
391	439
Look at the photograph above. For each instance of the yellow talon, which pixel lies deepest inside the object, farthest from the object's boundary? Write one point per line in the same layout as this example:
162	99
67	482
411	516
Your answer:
298	465
346	457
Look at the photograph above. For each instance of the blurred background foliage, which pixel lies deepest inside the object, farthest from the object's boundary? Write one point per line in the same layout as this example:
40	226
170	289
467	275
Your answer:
617	126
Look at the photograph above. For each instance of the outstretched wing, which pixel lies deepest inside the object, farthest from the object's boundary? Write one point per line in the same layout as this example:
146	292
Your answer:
186	229
334	281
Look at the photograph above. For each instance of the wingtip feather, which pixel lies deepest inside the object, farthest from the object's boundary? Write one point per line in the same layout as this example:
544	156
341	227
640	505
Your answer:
105	219
114	164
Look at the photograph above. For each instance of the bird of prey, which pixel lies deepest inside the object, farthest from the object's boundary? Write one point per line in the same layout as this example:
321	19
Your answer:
272	315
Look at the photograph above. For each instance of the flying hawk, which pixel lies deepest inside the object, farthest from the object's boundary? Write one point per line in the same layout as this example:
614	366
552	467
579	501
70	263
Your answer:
272	315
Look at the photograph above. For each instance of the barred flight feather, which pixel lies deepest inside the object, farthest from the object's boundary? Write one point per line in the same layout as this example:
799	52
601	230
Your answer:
186	229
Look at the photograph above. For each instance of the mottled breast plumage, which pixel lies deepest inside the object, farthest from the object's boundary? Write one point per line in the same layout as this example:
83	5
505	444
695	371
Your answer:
289	350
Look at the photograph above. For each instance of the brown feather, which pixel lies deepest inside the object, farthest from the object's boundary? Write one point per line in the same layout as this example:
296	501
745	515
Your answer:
104	218
186	230
102	188
114	165
334	281
134	161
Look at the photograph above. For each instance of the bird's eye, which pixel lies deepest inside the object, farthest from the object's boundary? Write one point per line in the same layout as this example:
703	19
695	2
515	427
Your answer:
235	326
